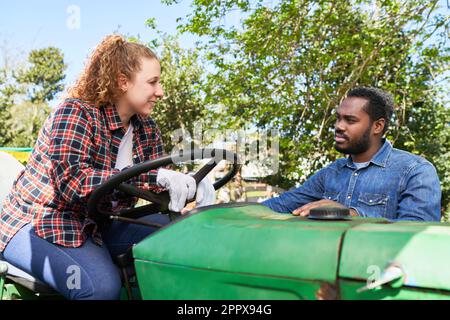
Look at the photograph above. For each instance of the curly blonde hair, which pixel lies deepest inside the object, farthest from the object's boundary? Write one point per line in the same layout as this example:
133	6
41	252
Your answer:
114	56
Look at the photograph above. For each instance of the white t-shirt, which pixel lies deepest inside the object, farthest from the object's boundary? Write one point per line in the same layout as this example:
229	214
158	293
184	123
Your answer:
125	154
360	165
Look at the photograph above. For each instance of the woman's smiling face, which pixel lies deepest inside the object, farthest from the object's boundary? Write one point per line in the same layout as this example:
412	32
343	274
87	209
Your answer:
144	89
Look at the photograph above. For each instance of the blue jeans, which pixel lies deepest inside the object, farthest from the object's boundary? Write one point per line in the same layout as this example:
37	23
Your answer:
83	273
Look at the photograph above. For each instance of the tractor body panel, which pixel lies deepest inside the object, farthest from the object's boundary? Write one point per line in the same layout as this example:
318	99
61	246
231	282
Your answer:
242	252
420	249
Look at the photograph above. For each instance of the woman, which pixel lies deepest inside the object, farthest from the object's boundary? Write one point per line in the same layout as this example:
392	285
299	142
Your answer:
101	128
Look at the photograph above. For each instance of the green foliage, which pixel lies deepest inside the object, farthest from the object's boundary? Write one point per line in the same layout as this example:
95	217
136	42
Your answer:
182	104
25	93
44	75
288	65
7	93
151	23
26	122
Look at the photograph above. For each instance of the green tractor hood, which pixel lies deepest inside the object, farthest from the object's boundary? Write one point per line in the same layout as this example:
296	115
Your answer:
242	252
251	252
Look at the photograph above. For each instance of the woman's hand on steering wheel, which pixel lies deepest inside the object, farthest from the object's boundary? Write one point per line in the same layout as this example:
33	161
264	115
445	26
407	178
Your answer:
206	194
181	187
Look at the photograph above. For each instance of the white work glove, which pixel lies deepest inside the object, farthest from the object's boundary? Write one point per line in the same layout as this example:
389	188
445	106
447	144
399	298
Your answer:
206	195
181	187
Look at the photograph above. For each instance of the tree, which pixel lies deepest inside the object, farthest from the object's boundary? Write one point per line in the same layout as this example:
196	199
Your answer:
24	95
181	80
43	78
7	93
288	65
26	122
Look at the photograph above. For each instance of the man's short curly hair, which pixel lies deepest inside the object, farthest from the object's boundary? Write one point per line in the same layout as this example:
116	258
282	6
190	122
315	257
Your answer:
380	104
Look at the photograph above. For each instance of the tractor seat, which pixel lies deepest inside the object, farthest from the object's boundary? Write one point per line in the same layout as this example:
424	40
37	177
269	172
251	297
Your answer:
9	170
16	275
25	279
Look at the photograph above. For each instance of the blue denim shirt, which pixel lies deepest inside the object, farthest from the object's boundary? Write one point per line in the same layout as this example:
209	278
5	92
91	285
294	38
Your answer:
394	184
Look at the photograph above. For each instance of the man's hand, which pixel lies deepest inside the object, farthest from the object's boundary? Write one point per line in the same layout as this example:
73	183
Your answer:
304	210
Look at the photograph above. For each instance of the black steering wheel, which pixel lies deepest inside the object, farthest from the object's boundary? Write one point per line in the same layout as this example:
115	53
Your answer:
160	201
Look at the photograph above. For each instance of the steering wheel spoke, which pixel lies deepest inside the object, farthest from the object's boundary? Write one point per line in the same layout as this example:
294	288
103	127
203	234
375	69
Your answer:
162	198
139	212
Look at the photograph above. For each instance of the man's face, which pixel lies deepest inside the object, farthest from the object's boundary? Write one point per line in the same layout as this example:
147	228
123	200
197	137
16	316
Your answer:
353	127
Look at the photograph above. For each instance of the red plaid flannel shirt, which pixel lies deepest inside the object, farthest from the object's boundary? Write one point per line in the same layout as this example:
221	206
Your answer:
75	152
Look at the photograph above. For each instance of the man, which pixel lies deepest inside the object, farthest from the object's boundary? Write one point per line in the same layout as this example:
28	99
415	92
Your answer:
376	180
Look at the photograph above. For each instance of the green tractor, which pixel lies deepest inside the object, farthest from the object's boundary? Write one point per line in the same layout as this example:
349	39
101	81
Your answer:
247	251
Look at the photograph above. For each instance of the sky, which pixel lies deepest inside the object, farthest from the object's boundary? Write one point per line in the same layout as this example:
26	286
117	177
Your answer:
77	26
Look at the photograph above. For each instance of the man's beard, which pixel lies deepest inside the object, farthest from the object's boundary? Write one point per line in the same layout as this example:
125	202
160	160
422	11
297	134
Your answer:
356	147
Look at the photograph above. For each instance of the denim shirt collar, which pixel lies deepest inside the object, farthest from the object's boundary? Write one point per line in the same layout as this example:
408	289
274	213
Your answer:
380	158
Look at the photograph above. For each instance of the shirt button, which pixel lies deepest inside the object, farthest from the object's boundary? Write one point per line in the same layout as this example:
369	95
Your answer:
370	200
349	197
355	174
146	184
